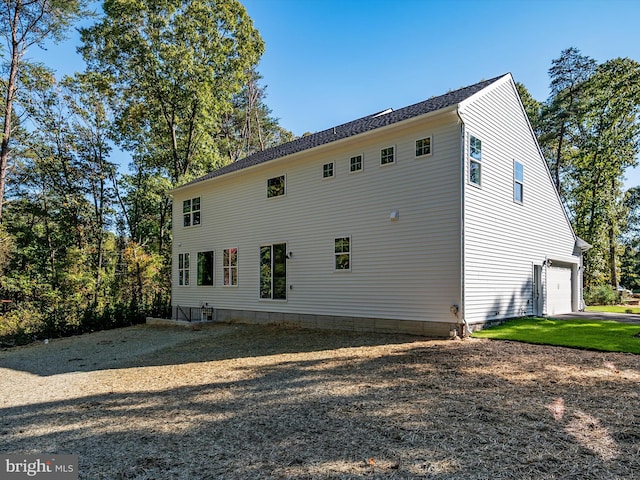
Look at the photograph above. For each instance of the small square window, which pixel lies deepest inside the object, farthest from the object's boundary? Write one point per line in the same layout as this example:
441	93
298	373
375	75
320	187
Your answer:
423	147
387	156
327	170
276	186
355	164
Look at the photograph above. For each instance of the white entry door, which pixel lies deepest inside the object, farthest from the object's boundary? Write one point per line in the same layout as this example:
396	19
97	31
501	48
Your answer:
559	291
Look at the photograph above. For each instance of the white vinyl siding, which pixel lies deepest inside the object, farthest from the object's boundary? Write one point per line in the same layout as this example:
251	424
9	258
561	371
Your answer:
503	239
406	269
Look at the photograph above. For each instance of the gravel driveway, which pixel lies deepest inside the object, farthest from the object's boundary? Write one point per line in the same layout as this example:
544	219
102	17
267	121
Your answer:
249	402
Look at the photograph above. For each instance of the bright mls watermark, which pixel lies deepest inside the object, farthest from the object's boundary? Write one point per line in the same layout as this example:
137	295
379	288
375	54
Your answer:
50	467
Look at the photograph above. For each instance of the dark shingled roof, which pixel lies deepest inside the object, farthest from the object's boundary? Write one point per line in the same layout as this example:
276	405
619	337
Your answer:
355	127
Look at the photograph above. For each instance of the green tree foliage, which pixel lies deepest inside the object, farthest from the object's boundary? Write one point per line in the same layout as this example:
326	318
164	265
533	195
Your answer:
589	131
174	67
173	83
630	261
25	23
249	127
532	107
558	122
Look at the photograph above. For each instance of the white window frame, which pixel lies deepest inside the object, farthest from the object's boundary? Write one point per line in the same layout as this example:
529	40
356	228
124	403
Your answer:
393	155
213	268
284	182
337	254
227	279
475	160
430	139
272	276
518	182
189	214
184	269
328	170
361	163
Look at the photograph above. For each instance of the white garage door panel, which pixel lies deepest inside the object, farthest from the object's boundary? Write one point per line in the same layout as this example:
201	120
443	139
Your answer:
559	290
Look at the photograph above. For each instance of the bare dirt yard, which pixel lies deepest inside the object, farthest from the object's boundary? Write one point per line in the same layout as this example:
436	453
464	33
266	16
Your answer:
253	402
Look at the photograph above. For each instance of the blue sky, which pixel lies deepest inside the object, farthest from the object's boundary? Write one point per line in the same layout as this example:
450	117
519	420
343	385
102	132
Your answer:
331	61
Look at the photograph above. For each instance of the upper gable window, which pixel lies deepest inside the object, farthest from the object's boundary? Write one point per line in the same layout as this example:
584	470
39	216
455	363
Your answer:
387	155
191	212
327	170
276	186
518	182
423	147
355	164
475	160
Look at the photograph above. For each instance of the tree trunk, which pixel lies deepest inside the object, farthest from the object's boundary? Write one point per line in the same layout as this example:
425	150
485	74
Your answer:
8	104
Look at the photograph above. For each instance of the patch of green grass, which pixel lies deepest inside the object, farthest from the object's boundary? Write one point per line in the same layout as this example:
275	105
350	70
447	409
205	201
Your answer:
607	336
613	309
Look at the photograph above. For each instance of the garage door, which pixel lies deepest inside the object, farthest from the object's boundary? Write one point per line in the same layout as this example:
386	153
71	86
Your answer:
558	290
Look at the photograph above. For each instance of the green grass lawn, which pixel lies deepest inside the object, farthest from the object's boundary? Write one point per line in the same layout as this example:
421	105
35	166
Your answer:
613	308
580	333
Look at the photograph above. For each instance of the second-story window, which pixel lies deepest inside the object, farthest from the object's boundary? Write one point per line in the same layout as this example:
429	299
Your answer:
387	155
191	212
276	186
475	160
327	170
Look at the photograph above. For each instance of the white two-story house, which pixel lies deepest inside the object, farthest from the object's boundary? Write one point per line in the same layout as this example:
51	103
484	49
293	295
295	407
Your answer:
430	219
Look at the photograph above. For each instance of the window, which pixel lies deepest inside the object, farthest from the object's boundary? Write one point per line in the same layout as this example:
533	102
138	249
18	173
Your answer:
355	163
230	266
423	147
273	272
387	155
191	212
327	170
275	186
183	269
205	268
342	253
475	160
518	182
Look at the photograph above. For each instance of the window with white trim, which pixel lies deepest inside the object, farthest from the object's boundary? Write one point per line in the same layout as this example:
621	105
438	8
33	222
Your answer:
230	266
423	147
205	268
273	272
355	164
183	269
388	155
518	182
327	170
191	212
342	253
276	186
475	160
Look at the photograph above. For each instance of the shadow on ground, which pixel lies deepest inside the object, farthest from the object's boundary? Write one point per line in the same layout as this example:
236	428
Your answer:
437	410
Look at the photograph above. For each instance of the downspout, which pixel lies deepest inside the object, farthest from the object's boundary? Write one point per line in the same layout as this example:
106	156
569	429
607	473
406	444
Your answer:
463	327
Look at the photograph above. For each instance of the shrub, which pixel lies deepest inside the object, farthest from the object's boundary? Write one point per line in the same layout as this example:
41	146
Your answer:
601	295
